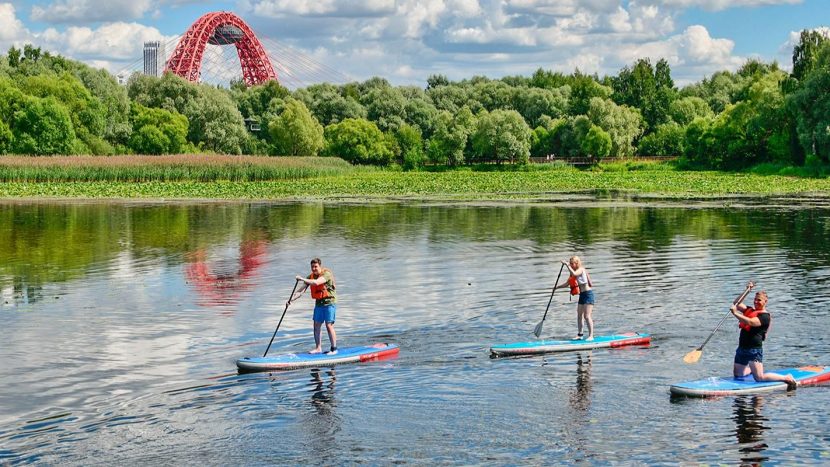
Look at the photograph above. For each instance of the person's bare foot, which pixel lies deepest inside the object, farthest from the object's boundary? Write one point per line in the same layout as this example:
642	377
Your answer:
317	350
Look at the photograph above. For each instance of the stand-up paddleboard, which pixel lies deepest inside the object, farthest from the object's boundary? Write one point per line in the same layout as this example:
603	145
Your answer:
302	360
539	347
729	386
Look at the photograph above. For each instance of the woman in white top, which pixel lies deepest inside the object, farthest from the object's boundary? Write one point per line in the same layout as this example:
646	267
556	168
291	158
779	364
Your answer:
586	295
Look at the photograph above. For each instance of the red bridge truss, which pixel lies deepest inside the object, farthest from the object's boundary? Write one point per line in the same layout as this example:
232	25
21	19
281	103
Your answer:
221	28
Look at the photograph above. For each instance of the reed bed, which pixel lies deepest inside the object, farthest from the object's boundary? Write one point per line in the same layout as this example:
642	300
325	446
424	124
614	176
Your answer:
462	184
175	168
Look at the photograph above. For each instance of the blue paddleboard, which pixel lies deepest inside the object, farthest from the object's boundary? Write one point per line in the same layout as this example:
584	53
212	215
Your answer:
302	360
730	386
539	347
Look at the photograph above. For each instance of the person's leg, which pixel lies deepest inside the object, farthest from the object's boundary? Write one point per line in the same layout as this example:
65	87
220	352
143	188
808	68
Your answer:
318	330
579	315
332	336
757	369
589	308
739	371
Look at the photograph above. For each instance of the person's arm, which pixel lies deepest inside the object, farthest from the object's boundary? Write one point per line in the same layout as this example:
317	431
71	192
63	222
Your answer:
564	284
754	322
319	281
573	272
300	291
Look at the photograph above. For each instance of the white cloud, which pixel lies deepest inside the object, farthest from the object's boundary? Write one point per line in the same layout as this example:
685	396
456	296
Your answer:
692	54
717	5
795	36
586	63
113	41
84	11
11	28
334	8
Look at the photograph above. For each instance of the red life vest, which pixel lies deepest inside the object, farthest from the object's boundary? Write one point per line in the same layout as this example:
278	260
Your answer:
321	291
573	285
749	313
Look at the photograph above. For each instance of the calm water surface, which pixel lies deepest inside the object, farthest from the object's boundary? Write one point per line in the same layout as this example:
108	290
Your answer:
120	325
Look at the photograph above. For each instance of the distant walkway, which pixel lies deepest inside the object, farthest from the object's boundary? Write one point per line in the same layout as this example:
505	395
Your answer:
590	160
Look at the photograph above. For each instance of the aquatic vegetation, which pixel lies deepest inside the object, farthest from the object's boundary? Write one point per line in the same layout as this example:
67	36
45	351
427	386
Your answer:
337	182
191	167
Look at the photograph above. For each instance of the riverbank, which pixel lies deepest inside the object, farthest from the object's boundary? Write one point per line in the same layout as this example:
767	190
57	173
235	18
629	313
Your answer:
444	185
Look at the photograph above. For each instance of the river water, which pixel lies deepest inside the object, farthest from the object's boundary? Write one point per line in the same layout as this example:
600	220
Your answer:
120	325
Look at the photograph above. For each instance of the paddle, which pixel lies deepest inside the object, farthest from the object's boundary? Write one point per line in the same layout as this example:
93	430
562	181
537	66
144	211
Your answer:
281	317
694	355
538	329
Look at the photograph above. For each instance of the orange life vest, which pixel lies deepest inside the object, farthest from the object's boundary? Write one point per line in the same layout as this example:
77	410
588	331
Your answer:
320	291
749	313
573	285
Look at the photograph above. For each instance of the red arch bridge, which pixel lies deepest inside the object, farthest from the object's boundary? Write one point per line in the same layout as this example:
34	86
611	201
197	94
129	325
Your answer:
221	28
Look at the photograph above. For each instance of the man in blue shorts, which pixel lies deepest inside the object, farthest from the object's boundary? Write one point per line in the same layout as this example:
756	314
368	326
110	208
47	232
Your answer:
754	322
321	282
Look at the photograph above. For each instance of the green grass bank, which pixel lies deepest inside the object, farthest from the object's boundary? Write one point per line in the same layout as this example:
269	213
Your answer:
229	177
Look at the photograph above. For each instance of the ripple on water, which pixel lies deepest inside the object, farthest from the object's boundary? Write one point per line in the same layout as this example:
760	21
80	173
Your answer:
134	359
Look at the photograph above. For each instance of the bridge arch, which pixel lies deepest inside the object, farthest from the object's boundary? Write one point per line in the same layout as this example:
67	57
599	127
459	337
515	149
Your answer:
221	28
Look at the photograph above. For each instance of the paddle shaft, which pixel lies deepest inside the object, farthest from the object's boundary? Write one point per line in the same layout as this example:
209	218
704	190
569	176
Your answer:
739	300
281	317
552	292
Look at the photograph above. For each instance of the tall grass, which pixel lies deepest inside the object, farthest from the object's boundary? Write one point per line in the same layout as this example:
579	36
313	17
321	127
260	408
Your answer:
191	167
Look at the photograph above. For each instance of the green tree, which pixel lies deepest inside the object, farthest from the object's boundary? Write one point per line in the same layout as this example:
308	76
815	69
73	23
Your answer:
411	144
583	88
450	142
649	89
686	109
805	53
157	131
358	141
6	138
421	114
622	123
503	136
14	55
597	143
296	132
533	103
86	111
385	106
329	104
42	126
810	107
666	140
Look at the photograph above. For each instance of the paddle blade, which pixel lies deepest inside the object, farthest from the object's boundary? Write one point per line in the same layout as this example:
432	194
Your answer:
693	356
537	331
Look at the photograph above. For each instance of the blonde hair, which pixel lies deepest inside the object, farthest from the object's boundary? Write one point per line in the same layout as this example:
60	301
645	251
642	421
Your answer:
575	259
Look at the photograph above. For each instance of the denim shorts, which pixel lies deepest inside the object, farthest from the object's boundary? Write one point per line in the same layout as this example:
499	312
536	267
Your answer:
324	313
586	298
744	356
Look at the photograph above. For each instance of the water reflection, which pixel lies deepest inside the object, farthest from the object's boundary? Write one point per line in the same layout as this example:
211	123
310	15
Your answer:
580	396
323	424
43	243
750	429
112	324
222	281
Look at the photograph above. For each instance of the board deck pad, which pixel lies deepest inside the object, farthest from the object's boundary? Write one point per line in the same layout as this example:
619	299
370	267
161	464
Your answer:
303	360
540	347
728	386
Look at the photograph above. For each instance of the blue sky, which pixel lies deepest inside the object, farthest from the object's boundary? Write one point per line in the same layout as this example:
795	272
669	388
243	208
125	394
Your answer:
405	41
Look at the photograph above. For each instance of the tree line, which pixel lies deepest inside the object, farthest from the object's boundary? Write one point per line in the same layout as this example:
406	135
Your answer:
730	120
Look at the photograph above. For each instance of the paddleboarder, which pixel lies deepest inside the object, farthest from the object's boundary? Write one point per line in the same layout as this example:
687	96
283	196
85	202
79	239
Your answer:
581	280
754	322
321	282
